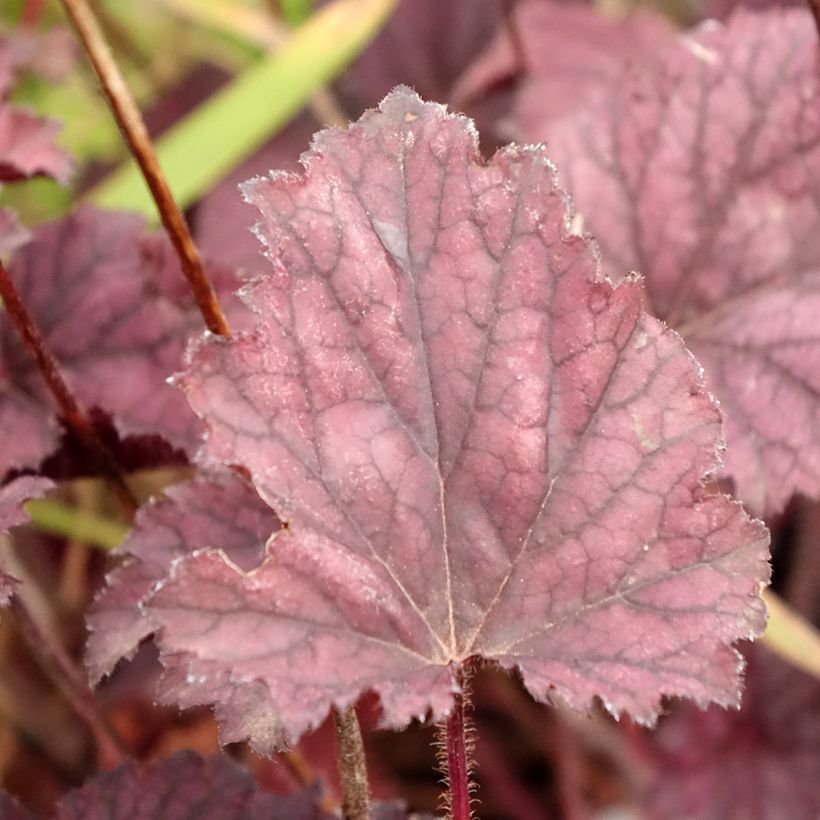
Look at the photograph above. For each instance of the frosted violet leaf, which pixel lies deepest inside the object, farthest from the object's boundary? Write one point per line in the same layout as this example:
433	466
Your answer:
480	445
12	497
115	310
698	170
759	763
184	787
218	511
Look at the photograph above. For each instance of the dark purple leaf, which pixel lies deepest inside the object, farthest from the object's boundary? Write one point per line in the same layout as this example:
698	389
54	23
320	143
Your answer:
114	308
184	787
698	170
759	763
11	810
481	448
427	44
219	512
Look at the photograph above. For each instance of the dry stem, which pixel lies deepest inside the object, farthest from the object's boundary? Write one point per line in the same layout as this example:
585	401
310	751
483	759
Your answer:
132	125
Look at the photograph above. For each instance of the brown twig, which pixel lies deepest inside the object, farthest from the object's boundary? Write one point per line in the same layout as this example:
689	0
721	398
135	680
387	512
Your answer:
67	406
132	125
352	765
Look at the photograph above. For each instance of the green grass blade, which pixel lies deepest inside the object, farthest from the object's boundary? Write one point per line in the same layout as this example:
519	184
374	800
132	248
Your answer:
791	636
72	522
295	12
232	124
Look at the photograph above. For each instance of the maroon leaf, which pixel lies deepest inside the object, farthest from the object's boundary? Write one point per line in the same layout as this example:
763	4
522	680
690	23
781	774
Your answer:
115	310
698	171
759	763
481	447
11	810
184	787
221	512
426	44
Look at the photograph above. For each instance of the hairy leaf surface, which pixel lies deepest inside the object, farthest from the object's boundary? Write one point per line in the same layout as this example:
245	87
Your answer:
699	171
480	445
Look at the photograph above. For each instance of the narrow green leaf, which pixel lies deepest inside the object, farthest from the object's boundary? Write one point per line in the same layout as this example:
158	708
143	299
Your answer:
232	124
295	12
791	636
71	522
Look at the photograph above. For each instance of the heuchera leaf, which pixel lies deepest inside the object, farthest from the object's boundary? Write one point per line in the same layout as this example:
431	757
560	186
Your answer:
482	448
759	763
698	170
114	308
219	511
184	787
559	53
27	147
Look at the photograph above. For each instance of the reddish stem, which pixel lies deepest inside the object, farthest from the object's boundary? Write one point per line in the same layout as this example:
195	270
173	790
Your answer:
457	749
67	405
132	125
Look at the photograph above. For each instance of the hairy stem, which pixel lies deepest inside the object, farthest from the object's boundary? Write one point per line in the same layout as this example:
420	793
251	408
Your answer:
352	766
67	406
456	751
132	125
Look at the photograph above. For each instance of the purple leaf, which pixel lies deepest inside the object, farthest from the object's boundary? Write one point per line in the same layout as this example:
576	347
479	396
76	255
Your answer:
560	53
480	445
759	763
221	512
427	44
114	308
27	147
184	787
697	170
11	810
